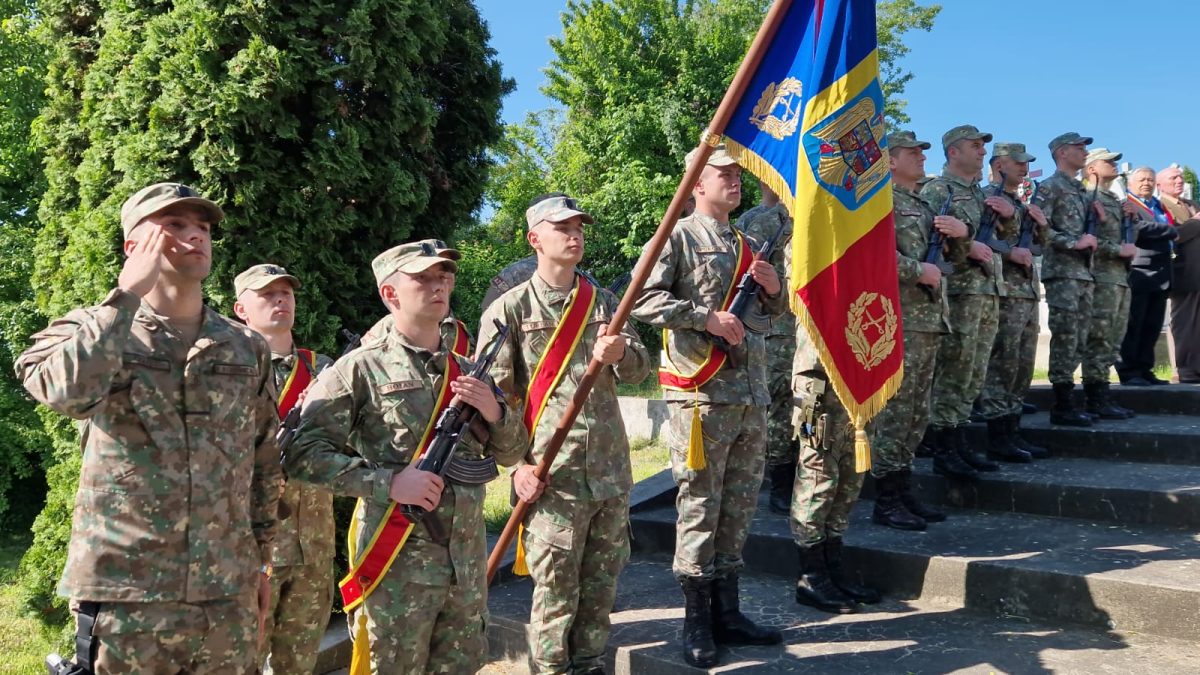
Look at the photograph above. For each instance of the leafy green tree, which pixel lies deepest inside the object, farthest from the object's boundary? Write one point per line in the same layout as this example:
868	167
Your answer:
1189	177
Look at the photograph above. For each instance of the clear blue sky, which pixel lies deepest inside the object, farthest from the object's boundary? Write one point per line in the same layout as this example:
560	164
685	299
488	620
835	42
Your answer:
1124	74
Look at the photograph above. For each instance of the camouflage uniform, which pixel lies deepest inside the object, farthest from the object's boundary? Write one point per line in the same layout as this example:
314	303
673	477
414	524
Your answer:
428	612
176	506
715	505
1110	300
576	534
302	563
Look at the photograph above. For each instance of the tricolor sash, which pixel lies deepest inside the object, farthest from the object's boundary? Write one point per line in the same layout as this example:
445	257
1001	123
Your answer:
671	379
462	339
557	354
297	381
366	571
1169	219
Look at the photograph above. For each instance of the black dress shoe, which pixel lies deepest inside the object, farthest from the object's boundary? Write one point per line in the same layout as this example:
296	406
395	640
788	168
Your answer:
1155	380
1135	382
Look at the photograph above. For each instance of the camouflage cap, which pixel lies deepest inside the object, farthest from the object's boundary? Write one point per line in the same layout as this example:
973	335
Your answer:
1101	155
556	210
1014	150
718	157
964	132
259	277
154	198
413	258
906	139
1069	138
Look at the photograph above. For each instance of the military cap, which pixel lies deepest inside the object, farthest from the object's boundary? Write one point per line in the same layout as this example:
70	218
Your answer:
718	157
1102	154
259	277
1014	150
1069	138
964	132
906	139
556	210
154	198
413	258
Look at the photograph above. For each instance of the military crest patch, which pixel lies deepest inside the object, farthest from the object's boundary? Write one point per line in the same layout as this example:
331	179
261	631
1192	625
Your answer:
846	149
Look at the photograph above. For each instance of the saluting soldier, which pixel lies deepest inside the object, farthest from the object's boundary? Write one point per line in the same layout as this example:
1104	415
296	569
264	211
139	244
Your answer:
718	400
301	568
176	507
414	604
575	537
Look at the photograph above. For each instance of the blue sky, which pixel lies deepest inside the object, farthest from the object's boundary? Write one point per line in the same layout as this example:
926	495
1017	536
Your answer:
1125	76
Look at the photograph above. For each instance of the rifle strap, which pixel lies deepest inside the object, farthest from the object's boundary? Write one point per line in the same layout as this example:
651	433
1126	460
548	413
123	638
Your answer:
86	646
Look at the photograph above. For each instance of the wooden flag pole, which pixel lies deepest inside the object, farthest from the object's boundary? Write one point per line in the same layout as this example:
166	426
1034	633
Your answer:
650	254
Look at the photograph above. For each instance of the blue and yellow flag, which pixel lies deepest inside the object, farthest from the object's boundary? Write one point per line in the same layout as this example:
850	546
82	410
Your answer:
810	125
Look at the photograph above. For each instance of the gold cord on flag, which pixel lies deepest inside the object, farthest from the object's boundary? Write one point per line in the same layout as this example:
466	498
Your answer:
695	451
520	566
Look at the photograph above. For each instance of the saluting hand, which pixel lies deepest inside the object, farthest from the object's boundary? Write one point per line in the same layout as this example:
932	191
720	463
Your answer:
144	263
478	395
416	487
764	273
608	349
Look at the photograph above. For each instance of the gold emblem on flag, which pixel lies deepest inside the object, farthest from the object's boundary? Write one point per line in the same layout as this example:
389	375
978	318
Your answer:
871	326
786	94
851	156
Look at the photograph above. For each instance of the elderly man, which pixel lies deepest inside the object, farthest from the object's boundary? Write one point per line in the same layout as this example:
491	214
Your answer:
1185	275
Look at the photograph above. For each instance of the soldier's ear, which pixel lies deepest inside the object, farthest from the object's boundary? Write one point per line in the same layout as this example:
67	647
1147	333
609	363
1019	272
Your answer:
239	310
127	246
388	293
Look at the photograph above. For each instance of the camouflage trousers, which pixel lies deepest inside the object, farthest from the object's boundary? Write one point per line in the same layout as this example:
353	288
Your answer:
166	638
1070	305
1010	369
419	628
826	484
575	549
782	447
962	358
717	503
301	599
898	428
1110	315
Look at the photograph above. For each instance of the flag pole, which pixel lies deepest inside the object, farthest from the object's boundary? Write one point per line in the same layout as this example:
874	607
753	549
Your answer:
710	138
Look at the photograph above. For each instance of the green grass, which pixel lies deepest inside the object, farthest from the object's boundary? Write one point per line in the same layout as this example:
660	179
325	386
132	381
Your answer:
647	388
1162	371
646	458
24	644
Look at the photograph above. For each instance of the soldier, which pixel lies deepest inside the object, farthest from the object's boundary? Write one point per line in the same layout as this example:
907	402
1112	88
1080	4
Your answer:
718	401
1010	368
1110	300
301	568
175	511
1066	272
974	291
575	536
425	611
761	223
899	426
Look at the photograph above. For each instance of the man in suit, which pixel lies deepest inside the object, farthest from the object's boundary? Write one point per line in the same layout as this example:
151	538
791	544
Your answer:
1185	275
1149	281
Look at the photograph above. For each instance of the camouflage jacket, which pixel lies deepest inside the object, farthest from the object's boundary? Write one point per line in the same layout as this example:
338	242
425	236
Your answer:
1109	267
761	223
593	462
1021	281
1064	201
914	222
386	324
967	205
180	480
305	535
377	401
690	278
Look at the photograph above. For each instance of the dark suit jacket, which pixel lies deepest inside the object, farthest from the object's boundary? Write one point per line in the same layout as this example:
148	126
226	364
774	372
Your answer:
1150	270
1185	269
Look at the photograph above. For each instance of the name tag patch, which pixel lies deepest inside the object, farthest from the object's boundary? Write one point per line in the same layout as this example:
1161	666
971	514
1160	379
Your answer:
393	387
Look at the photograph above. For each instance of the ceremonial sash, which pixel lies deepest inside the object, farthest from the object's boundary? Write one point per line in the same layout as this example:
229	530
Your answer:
1170	220
366	571
716	358
557	354
462	339
297	381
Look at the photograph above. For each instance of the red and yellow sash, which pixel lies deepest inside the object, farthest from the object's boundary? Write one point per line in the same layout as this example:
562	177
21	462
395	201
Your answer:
297	381
715	359
462	340
557	354
366	571
1146	207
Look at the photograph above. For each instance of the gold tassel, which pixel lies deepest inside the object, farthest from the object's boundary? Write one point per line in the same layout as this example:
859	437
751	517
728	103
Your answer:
862	451
695	453
360	659
520	567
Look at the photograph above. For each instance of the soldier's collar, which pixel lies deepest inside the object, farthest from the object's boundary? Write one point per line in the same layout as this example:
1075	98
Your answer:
1069	178
544	289
709	221
958	179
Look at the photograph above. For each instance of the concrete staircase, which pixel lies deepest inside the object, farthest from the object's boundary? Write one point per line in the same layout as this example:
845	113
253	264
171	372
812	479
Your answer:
1087	562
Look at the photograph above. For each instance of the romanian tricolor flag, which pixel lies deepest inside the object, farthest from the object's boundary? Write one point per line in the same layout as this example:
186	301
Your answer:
810	124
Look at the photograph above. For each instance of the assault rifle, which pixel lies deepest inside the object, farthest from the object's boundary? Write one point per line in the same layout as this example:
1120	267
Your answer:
747	289
1128	232
933	254
291	422
986	233
1091	221
1028	224
451	425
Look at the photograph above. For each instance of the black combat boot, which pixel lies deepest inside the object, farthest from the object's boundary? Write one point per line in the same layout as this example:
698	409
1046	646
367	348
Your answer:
730	626
974	459
945	458
783	477
1001	445
699	650
815	588
833	563
1014	430
1098	404
1064	411
915	507
890	509
927	444
1108	396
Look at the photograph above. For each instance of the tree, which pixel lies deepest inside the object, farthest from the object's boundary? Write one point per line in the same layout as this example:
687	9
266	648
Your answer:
893	19
1189	177
328	131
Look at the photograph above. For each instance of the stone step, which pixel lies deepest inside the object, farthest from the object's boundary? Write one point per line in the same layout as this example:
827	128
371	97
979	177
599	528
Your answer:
1037	567
896	636
1170	399
1161	439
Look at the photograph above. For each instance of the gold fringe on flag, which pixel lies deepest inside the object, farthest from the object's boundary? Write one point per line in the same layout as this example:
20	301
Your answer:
360	659
520	567
695	452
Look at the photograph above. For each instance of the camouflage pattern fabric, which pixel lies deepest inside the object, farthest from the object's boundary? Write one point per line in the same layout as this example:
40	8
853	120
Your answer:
1108	267
914	222
179	486
301	601
386	324
1070	315
962	358
1064	202
1010	368
898	428
966	204
1021	281
1110	315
